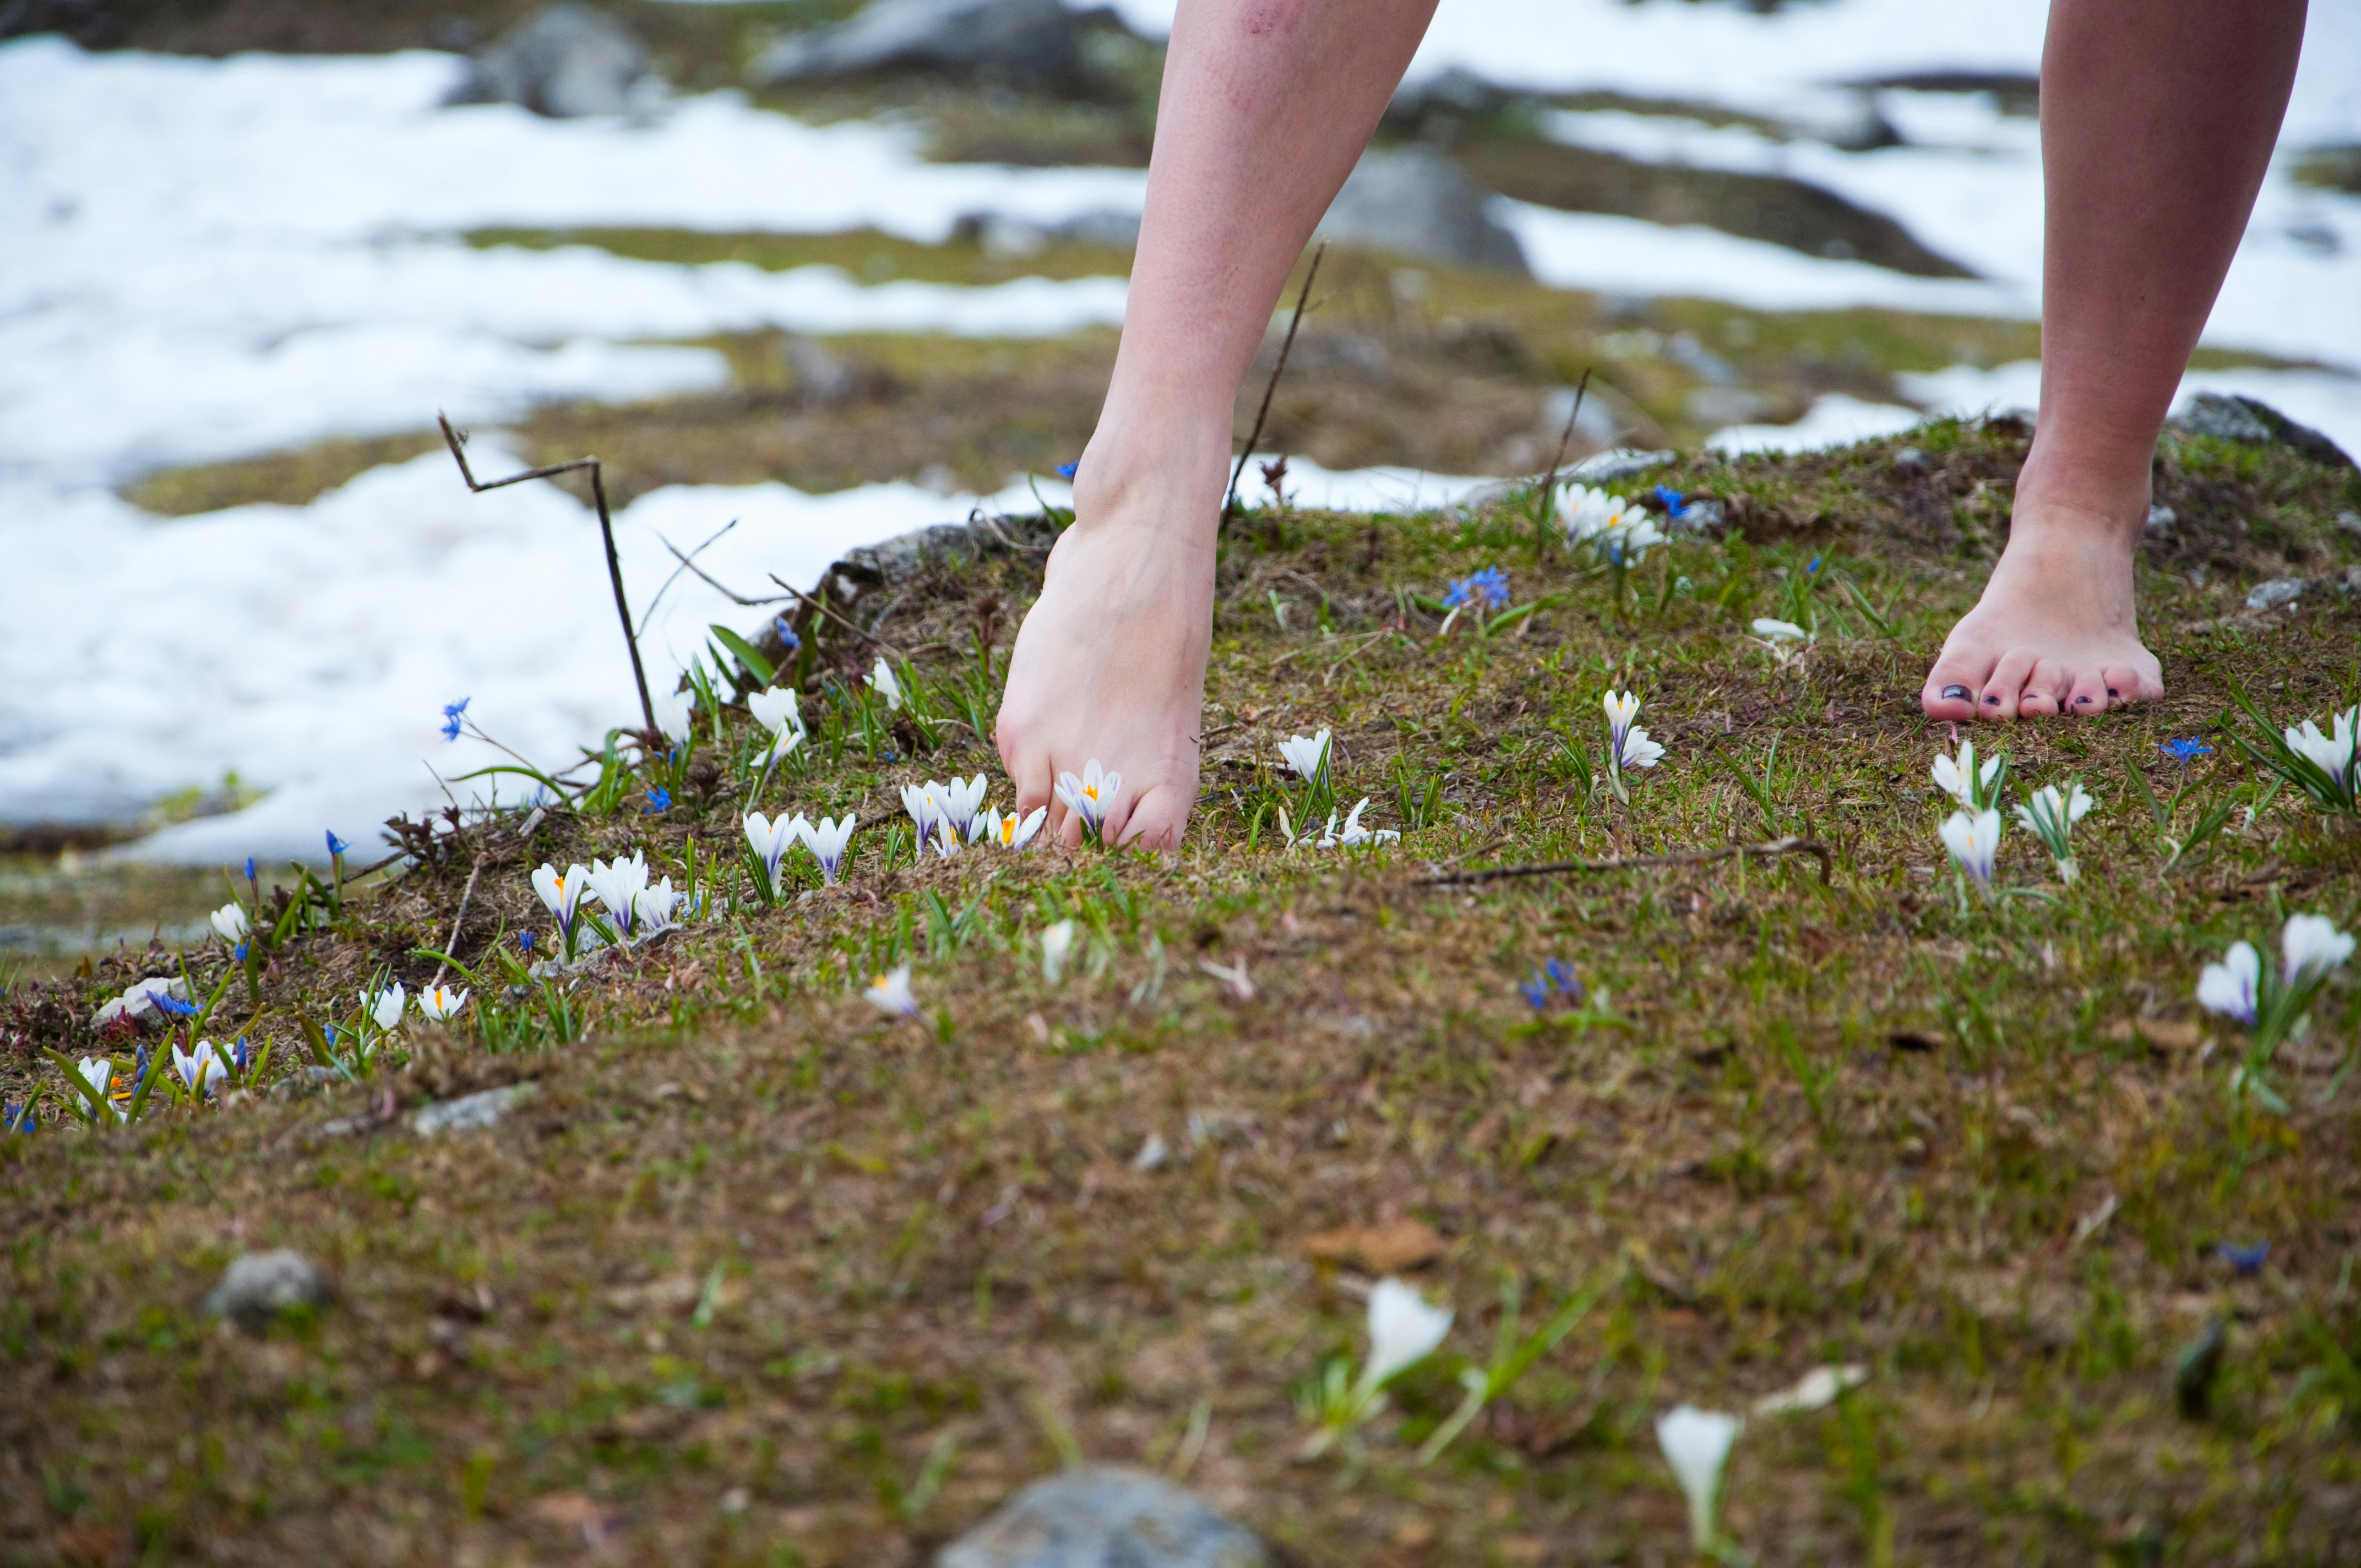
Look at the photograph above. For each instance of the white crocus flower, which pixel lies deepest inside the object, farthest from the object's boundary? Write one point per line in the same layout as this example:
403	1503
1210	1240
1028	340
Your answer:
2312	946
1353	833
1698	1444
1772	631
1091	796
651	909
2335	752
1057	942
777	711
1583	510
199	1069
674	712
229	924
1305	754
769	840
1010	833
1639	751
960	800
1403	1332
1622	708
1973	841
385	1006
618	884
825	840
562	896
1626	535
440	1002
2228	986
946	839
891	993
882	682
1961	779
924	802
2050	816
99	1073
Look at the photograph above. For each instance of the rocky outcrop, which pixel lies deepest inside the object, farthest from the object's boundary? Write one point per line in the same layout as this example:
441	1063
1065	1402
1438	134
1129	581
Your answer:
565	60
1415	201
1102	1516
2253	422
1028	41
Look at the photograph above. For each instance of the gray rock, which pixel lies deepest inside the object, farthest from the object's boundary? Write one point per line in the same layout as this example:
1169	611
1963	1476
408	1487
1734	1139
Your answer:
2274	593
1622	463
470	1113
259	1286
2160	519
565	60
1910	460
1101	1517
1028	39
1414	201
1001	234
2254	422
138	1002
2350	521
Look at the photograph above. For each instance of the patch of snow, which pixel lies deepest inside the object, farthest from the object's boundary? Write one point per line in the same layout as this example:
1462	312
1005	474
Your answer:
1833	420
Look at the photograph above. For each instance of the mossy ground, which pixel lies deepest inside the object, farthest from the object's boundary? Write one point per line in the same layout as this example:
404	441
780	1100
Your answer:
755	1260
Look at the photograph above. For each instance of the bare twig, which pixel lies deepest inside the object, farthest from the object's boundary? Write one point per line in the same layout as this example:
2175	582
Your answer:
458	920
1303	298
649	613
821	605
458	444
688	565
1548	483
1775	848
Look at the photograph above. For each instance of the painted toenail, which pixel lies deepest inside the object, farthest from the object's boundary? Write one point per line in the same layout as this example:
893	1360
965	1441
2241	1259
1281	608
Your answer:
2113	692
2081	699
1950	692
1993	701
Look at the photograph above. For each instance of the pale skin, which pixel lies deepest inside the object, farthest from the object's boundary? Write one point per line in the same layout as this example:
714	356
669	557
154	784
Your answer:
2157	121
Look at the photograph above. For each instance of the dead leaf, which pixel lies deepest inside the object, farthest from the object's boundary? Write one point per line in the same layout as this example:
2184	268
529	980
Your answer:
1380	1249
2164	1034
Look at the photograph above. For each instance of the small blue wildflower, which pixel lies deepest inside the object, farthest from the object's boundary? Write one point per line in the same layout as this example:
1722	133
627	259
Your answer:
16	1118
1671	500
1068	470
1486	589
786	631
2246	1260
659	799
1561	974
524	940
1536	990
335	846
453	717
249	864
238	952
2186	750
173	1006
240	1054
1813	567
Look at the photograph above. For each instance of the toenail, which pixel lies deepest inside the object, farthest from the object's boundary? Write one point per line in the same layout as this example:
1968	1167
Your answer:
2081	699
1950	692
1993	701
2113	692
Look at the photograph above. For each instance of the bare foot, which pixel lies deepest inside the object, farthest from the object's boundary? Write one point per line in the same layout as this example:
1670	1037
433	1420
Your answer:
2055	631
1110	663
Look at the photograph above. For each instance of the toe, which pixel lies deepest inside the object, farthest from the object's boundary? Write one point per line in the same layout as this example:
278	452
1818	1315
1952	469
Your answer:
2088	696
2044	690
1951	686
2005	689
1156	819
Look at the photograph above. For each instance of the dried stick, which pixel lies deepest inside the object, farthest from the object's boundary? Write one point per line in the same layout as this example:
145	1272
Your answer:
456	921
1287	345
649	613
688	565
457	442
821	605
1549	484
1775	848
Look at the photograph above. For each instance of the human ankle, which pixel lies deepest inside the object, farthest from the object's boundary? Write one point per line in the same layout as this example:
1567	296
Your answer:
1169	482
2063	502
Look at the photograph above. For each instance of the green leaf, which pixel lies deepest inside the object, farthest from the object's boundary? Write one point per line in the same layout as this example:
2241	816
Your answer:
743	651
99	1111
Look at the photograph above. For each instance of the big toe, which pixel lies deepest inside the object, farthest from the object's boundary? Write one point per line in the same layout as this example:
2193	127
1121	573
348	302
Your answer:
1951	686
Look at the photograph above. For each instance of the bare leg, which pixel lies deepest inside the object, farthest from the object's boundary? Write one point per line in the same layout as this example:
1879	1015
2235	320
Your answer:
1266	105
2158	118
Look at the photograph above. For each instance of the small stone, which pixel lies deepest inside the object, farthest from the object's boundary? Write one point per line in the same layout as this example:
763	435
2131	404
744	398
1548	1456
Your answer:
1033	40
2161	519
138	1002
1102	1516
470	1113
1152	1154
2350	521
2274	593
564	60
259	1286
1910	460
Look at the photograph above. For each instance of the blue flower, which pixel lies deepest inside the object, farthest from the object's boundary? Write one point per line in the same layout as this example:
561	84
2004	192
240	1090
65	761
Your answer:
453	717
1814	567
2246	1260
524	940
1068	470
659	799
16	1118
172	1005
1561	974
238	952
1670	500
2186	750
335	846
249	864
1536	990
1486	589
239	1053
787	638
